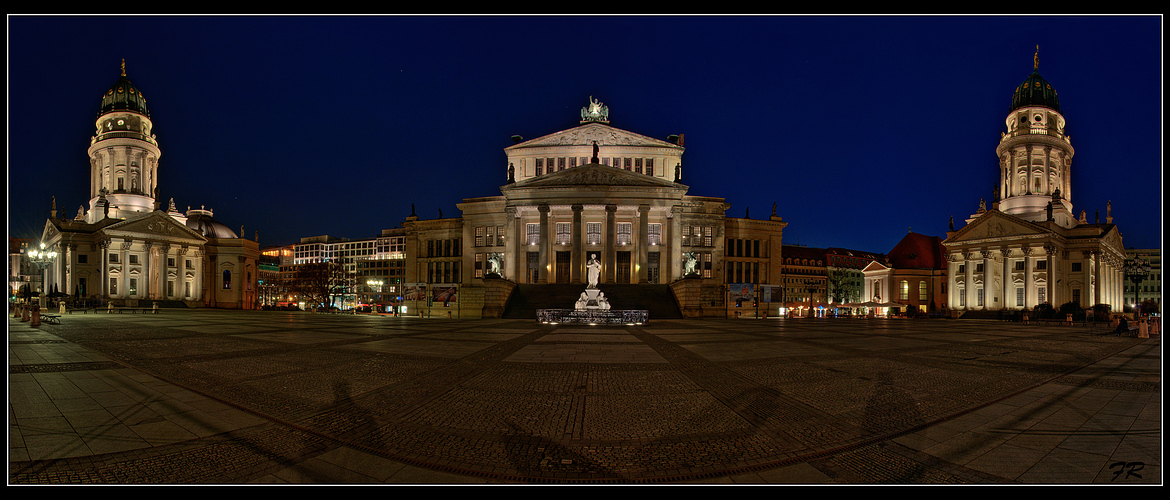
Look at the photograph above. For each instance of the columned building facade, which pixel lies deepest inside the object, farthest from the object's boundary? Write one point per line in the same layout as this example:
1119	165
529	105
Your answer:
1029	248
591	193
125	248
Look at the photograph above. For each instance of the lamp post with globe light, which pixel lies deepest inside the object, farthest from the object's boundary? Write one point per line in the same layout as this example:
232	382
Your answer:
42	258
1137	270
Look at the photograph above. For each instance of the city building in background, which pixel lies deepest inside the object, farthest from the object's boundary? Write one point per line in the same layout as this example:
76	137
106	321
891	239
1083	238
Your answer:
1028	247
913	273
1150	285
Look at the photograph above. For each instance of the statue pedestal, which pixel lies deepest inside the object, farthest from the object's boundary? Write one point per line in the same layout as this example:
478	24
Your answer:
592	300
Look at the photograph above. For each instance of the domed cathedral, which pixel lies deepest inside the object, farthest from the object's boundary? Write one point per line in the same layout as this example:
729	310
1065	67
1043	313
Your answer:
126	251
596	200
1028	247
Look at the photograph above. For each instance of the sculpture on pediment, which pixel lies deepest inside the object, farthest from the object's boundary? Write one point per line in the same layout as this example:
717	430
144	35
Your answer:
982	206
511	173
595	112
678	172
596	150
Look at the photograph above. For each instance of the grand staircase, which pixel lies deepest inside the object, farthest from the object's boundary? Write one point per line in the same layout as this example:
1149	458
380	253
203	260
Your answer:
526	299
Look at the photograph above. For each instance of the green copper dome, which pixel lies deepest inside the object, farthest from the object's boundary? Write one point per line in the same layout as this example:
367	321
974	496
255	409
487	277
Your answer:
124	96
1035	91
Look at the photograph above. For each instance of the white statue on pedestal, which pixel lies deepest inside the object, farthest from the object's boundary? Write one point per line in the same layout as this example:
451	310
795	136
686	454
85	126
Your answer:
593	271
582	302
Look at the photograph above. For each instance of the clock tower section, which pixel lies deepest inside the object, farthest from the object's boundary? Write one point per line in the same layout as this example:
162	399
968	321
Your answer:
123	155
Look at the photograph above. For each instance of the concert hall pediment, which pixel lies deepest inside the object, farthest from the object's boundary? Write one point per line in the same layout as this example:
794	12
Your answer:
587	134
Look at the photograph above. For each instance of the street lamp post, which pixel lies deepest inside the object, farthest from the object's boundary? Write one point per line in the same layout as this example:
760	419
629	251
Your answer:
1137	270
42	258
378	285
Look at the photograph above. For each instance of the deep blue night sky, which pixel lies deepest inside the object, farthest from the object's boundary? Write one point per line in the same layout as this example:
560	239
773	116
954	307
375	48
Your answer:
857	127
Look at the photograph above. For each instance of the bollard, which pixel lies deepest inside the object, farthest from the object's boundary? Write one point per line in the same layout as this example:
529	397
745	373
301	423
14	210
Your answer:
62	308
24	313
16	310
36	317
1143	329
448	314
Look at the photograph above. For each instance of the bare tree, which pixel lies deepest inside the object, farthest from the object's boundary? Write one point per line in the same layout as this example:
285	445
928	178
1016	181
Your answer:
320	282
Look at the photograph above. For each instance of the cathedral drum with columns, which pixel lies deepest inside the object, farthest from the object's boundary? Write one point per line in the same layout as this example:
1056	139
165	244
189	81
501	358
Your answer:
124	250
1029	248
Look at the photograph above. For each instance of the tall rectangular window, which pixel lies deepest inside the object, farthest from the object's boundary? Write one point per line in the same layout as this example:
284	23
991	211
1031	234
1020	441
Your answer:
564	233
592	233
499	235
922	295
1040	295
1019	296
479	236
649	166
654	234
638	165
905	290
533	234
979	296
707	235
113	285
540	166
623	233
133	286
686	235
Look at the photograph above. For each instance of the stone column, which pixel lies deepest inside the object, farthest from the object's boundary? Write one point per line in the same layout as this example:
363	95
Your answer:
969	280
124	283
674	245
544	245
1007	276
643	241
147	287
578	246
1029	285
1097	265
103	288
1050	281
609	265
988	273
1088	271
513	246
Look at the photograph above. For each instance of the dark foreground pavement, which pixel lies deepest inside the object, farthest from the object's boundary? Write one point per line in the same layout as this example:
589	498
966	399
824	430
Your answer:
234	397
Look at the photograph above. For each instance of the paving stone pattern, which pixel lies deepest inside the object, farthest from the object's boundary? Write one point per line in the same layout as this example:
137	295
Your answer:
511	401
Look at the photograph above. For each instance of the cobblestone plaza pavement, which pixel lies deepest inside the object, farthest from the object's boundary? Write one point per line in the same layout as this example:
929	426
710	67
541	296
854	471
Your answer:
239	397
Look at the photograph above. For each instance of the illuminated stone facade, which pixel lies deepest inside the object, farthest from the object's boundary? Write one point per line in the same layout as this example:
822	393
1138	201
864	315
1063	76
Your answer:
593	190
1028	248
126	250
